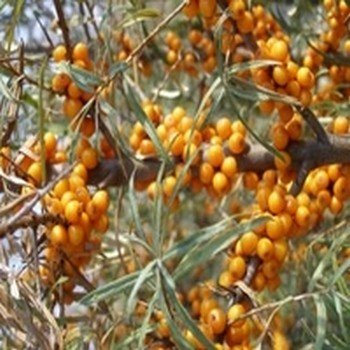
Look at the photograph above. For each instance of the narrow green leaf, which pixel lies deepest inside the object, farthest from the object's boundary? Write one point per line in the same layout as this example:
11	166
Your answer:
240	67
133	337
84	79
141	15
181	311
344	267
5	91
321	313
116	68
111	289
203	252
143	276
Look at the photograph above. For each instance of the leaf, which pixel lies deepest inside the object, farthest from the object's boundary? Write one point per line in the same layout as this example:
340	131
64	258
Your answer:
143	276
110	289
345	266
139	16
84	79
240	67
198	237
203	252
147	124
321	313
116	68
134	335
5	91
181	311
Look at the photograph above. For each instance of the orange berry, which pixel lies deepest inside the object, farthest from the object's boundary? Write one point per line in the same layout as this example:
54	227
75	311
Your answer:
341	188
168	185
284	163
233	313
237	267
279	51
336	205
72	211
223	128
192	9
236	143
215	155
280	137
80	52
280	250
58	235
177	144
249	243
229	166
226	279
276	203
220	182
206	173
35	172
206	306
267	107
71	107
265	249
216	319
76	235
82	195
237	9
207	7
101	224
81	171
75	181
305	77
73	91
101	201
89	158
280	75
60	82
340	125
50	143
270	268
275	228
245	24
250	180
59	53
67	197
302	216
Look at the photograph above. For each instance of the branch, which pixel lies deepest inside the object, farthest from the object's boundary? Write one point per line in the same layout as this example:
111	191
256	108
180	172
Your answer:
30	220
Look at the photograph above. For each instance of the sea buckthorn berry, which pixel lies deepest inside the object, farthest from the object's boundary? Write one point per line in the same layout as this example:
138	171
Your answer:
76	235
275	229
265	249
285	113
334	172
341	188
207	8
188	152
60	82
259	281
216	319
270	268
237	9
206	173
220	182
276	203
80	52
83	195
250	180
75	181
206	306
238	126
293	88
340	125
223	128
89	158
50	143
87	127
284	163
73	91
302	216
101	201
81	171
245	24
336	205
267	107
169	184
237	267
226	279
321	180
279	51
35	172
235	336
101	223
236	143
233	313
323	199
67	197
177	144
280	75
215	155
72	211
305	77
280	250
192	9
58	235
280	137
59	53
249	243
71	107
193	136
229	167
147	147
262	197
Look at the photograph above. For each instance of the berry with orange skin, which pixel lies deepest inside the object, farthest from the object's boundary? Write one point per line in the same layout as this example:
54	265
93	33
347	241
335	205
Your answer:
280	75
101	223
72	211
276	203
61	188
216	319
237	267
60	82
35	172
50	143
305	78
275	229
80	52
89	158
206	306
75	181
265	249
76	235
302	216
206	173
236	143
169	184
58	235
87	127
71	107
59	53
220	182
280	137
233	313
229	166
249	243
192	9
81	171
101	201
279	51
223	128
245	24
340	125
215	155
